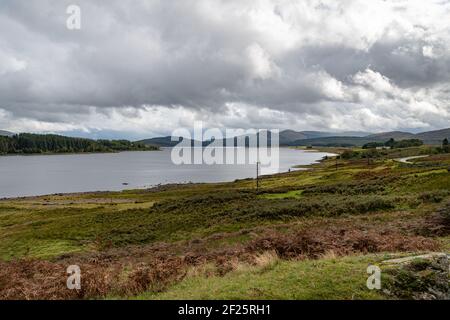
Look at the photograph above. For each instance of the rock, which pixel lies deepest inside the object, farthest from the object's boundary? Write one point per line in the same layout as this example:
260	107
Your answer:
411	258
422	277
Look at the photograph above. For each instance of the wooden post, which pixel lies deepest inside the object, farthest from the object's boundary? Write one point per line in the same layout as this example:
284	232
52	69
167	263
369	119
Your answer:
257	176
257	162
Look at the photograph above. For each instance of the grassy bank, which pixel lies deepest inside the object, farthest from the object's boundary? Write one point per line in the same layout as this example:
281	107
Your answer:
326	278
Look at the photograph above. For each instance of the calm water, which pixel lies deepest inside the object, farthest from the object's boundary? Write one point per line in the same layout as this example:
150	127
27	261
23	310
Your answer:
39	175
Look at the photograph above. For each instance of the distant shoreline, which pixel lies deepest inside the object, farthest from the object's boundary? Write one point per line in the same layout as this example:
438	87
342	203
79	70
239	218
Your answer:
70	153
108	152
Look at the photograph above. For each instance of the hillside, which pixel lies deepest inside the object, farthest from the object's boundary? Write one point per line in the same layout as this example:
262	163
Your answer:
304	234
428	137
396	135
334	141
331	139
27	143
322	134
167	141
6	133
159	141
286	137
434	137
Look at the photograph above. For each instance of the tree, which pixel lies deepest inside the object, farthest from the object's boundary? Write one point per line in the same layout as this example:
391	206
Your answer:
390	143
371	145
445	145
47	143
408	143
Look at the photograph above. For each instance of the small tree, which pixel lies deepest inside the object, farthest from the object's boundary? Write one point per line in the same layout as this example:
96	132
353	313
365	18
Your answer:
390	143
445	145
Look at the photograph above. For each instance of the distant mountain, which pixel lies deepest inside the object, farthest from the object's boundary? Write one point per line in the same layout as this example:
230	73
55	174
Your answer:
396	135
159	141
322	134
167	141
333	141
289	136
434	137
320	138
286	137
6	133
164	141
353	134
428	137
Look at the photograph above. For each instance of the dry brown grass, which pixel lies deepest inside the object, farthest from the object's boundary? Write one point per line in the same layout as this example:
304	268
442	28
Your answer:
330	254
267	259
130	271
437	224
203	270
34	279
315	243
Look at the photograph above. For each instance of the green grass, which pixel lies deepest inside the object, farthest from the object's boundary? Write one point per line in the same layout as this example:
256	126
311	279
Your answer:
445	241
47	232
49	226
332	278
211	218
285	195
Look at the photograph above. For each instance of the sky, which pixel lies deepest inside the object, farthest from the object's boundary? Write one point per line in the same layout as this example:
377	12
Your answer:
142	68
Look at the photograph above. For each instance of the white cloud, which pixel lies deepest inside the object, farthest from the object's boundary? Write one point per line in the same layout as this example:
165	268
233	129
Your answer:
260	62
10	64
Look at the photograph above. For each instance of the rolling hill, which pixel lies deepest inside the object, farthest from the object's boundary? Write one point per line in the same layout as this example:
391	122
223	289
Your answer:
6	133
434	137
287	137
430	137
163	141
334	141
319	138
397	135
160	141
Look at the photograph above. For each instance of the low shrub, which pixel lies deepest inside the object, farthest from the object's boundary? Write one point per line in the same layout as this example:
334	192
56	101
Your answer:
363	187
433	196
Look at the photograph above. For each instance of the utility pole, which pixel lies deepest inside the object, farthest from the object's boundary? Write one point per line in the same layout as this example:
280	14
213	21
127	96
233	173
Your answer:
257	162
257	176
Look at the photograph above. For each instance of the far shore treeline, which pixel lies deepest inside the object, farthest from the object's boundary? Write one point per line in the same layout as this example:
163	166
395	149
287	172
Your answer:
27	143
392	143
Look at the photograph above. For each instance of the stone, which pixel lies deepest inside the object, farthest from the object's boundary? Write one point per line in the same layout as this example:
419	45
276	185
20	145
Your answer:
420	277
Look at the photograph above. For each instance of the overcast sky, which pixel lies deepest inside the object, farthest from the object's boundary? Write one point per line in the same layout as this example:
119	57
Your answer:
141	68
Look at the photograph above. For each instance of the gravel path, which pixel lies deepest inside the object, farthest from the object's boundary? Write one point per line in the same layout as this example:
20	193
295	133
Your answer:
406	159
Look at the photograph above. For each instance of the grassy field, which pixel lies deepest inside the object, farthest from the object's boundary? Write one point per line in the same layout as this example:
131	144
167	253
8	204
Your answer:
327	278
318	229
